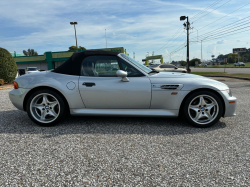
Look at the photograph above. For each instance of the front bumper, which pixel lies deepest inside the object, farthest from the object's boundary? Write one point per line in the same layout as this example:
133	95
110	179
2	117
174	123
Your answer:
230	104
17	97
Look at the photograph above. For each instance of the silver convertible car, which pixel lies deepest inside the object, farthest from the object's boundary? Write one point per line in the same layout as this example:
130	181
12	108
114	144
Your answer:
105	83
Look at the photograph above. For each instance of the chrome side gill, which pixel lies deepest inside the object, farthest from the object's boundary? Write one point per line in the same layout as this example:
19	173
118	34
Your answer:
162	87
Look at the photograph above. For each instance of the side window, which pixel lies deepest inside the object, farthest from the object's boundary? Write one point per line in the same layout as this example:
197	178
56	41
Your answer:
132	72
100	66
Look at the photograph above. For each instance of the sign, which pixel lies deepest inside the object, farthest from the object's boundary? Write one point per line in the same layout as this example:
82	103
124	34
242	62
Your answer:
225	59
239	50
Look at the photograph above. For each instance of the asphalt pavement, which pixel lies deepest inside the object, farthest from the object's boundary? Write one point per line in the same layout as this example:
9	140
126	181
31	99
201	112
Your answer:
125	151
227	70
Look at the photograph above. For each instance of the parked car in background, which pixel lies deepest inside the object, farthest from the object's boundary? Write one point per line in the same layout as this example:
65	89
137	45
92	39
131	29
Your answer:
168	68
29	70
239	64
153	66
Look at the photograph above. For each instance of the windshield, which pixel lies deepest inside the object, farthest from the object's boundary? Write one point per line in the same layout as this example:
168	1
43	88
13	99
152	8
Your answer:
144	68
32	69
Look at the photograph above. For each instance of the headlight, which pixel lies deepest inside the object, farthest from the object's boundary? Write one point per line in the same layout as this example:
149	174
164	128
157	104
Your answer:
229	92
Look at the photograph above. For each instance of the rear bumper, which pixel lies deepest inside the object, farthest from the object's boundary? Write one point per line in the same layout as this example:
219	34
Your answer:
17	97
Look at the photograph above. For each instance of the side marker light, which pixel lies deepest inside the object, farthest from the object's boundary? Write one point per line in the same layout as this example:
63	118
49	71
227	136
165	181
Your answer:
16	85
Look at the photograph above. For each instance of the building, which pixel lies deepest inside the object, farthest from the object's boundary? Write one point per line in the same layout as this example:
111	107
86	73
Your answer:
16	54
51	60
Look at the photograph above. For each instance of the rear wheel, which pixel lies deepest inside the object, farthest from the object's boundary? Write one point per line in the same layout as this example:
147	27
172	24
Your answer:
46	108
203	109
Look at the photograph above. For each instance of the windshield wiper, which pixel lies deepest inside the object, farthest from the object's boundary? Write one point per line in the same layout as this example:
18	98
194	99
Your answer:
153	71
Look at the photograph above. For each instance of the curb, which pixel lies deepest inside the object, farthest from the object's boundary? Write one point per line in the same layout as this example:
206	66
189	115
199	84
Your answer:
228	77
5	87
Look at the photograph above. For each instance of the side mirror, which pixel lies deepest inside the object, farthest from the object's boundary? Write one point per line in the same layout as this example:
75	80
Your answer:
122	74
175	68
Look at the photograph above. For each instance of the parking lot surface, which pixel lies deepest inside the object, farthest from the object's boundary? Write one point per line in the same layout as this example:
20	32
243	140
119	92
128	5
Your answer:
113	151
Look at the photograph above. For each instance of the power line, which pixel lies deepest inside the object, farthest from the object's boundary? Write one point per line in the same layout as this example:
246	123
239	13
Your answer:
199	13
211	11
170	39
224	16
224	28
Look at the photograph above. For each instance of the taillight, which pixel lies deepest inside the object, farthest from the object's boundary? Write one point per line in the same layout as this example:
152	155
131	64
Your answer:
15	85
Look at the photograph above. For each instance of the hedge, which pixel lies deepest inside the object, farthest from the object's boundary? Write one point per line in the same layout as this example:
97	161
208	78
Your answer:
8	67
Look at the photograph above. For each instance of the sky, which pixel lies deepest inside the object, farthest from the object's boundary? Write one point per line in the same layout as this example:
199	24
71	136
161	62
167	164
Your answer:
141	27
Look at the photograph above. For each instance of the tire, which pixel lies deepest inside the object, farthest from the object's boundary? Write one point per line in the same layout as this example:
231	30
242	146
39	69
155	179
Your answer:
46	108
202	109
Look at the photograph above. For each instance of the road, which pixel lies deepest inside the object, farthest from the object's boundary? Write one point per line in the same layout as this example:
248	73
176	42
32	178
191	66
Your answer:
228	70
126	151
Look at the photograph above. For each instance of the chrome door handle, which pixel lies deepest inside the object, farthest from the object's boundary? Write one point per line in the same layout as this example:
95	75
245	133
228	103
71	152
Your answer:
88	84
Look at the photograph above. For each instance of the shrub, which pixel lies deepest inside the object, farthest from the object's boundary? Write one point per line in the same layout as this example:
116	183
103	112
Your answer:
1	82
8	67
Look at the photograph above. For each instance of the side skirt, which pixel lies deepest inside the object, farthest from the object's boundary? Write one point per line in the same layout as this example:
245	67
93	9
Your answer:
125	112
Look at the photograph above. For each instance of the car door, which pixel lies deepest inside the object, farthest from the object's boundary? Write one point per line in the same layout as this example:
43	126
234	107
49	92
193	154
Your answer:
100	88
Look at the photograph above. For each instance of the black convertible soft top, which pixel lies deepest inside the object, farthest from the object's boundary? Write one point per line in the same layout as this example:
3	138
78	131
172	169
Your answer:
72	66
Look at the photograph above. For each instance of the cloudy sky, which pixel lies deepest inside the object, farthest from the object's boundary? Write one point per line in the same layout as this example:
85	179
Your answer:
139	26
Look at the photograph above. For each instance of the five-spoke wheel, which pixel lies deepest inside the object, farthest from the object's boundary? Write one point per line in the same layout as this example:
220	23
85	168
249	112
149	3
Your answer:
203	108
45	107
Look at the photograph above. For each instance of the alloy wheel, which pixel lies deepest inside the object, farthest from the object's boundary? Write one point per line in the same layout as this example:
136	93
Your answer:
45	108
203	109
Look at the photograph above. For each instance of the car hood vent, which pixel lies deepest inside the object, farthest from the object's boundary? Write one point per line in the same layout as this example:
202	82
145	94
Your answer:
170	87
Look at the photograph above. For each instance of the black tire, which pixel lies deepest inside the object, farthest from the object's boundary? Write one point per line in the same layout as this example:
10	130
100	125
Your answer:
187	112
62	108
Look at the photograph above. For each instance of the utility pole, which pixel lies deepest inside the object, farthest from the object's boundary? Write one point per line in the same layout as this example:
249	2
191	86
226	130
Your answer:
187	26
201	51
134	55
106	38
238	56
152	55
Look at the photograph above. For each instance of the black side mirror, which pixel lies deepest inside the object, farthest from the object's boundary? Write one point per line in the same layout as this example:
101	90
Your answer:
175	68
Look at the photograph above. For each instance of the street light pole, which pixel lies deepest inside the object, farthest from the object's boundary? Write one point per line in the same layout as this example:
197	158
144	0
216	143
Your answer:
75	23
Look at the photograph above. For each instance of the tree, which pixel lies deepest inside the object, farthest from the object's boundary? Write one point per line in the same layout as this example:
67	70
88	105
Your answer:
30	52
8	67
183	63
192	62
73	48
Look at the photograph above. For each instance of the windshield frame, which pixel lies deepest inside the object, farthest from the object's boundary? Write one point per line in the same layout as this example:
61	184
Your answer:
138	65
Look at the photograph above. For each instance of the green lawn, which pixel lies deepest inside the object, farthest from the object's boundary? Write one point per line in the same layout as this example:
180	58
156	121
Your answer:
241	75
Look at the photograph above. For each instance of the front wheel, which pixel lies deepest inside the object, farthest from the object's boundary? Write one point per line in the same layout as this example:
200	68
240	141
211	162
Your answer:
203	109
46	108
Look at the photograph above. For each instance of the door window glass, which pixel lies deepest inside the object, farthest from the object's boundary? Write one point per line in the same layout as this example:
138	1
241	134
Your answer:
100	66
132	71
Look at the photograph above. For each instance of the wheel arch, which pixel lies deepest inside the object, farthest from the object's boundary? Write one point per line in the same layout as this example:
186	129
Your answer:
39	88
203	89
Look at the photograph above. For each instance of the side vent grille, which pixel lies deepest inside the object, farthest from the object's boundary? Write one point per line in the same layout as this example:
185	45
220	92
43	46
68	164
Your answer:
170	87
